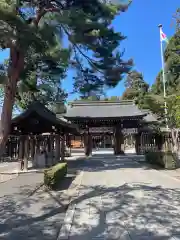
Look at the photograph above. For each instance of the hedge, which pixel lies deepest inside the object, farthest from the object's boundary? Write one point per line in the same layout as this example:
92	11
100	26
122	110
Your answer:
167	160
53	175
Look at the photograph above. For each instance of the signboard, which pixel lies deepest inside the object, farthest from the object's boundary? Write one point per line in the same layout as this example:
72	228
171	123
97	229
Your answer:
101	129
110	130
130	130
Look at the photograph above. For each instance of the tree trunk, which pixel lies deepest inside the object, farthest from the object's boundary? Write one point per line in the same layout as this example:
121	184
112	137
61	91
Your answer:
16	65
175	133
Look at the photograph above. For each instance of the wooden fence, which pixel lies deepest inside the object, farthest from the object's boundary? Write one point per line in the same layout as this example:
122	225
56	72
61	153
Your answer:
32	144
149	142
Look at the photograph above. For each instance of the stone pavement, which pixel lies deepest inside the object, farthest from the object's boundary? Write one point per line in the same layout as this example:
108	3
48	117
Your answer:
4	177
10	170
5	167
120	198
171	173
28	211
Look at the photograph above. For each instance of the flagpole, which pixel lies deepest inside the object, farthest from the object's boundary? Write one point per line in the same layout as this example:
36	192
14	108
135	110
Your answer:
164	78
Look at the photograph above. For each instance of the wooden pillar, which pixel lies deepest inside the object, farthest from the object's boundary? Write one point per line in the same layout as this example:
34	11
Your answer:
21	147
88	144
37	145
138	143
48	144
13	147
62	147
16	148
9	148
32	147
118	141
51	148
68	143
21	151
26	152
159	141
57	153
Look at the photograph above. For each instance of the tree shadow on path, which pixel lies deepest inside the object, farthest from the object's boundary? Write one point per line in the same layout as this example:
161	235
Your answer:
29	211
133	210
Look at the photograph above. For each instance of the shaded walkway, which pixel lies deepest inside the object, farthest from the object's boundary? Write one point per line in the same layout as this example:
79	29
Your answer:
28	211
120	198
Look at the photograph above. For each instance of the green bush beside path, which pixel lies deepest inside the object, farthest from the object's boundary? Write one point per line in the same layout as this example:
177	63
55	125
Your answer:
167	160
54	175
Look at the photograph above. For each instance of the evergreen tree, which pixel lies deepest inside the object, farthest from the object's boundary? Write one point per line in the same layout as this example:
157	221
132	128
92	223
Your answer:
33	25
87	84
172	77
136	88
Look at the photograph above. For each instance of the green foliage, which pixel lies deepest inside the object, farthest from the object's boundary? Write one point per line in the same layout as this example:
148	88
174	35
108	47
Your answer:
45	61
176	17
87	84
174	111
3	76
172	60
41	78
106	67
167	160
172	65
93	98
157	87
114	98
136	88
172	84
54	175
155	103
14	31
58	107
91	41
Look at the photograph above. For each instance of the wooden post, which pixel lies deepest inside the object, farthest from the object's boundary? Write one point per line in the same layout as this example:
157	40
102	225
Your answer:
52	148
85	143
48	144
37	145
118	141
10	148
62	147
88	144
32	147
21	152
26	152
159	141
57	153
137	143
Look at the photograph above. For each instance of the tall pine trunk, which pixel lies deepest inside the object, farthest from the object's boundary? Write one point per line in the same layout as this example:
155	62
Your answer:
15	67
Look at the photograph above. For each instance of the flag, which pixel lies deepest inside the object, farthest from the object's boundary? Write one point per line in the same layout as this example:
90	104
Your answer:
163	36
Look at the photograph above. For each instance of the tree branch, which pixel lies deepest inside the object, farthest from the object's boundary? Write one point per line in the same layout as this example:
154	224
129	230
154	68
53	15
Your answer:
80	51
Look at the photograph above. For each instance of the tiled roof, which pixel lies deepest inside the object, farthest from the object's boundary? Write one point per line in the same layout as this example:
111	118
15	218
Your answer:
150	117
45	113
103	109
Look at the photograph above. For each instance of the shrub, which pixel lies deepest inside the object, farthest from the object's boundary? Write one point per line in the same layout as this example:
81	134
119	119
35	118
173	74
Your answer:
167	160
53	175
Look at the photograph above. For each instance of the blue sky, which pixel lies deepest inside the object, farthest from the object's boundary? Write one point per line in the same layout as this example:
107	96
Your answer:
139	24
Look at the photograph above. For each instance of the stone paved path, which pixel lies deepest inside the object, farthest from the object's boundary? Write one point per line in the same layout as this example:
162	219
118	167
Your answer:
120	198
27	211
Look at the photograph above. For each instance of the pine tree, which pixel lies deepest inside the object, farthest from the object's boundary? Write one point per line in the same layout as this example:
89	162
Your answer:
136	88
27	25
